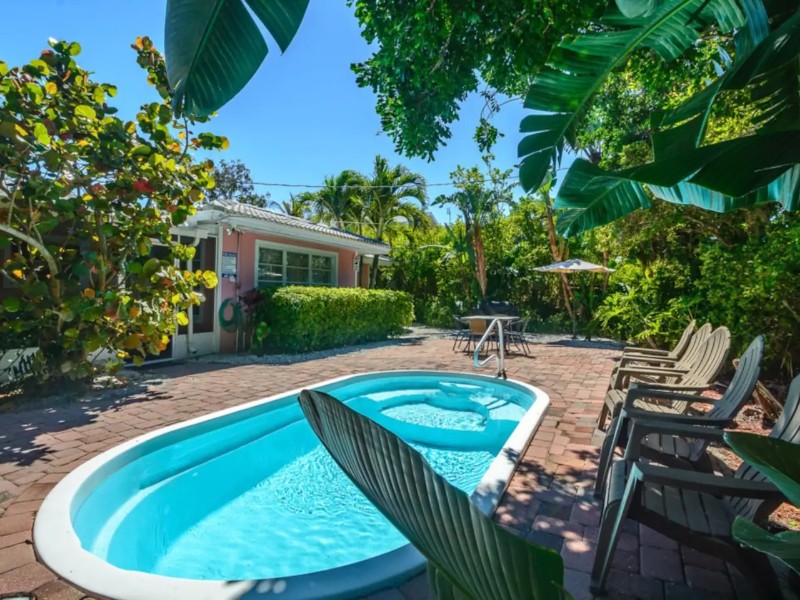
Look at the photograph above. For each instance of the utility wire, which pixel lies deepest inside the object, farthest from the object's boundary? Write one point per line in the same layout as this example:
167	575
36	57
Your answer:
373	187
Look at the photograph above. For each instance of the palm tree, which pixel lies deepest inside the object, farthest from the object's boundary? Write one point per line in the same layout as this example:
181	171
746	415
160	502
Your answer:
335	203
386	202
296	206
478	203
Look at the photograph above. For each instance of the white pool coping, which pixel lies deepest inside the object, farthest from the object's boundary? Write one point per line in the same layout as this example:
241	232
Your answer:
58	546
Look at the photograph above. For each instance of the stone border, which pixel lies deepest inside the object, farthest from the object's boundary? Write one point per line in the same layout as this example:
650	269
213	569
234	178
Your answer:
58	547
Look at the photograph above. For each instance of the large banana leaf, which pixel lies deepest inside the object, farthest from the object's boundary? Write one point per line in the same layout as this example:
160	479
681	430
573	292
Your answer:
469	556
591	197
578	66
779	460
769	68
214	47
784	546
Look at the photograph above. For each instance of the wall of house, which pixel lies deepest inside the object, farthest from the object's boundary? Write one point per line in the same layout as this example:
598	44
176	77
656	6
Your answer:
244	244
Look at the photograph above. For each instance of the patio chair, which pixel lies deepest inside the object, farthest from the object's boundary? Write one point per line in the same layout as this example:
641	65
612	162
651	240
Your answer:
689	375
695	509
515	334
469	555
672	449
634	353
462	333
693	346
477	327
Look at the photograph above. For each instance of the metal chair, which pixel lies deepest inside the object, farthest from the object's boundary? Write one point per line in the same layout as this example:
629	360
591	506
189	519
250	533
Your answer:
515	334
462	333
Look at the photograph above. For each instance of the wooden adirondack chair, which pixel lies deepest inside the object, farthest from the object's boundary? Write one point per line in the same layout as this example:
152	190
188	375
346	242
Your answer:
670	449
693	374
635	353
695	509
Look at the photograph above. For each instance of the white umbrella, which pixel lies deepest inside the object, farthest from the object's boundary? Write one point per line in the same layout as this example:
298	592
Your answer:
574	265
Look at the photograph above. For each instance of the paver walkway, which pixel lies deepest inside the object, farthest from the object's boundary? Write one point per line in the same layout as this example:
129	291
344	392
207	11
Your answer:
548	500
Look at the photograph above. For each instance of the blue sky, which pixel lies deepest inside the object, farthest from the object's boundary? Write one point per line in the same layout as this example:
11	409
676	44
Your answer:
300	118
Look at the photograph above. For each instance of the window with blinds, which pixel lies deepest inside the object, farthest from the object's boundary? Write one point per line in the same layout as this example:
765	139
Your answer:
277	265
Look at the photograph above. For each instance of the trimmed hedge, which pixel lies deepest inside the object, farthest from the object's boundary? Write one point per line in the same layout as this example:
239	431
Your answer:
302	319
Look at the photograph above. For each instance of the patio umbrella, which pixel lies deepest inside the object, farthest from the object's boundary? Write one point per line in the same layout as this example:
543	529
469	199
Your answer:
574	265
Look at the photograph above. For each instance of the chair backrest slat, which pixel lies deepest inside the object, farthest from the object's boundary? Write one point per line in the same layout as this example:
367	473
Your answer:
694	345
739	390
787	428
683	342
710	358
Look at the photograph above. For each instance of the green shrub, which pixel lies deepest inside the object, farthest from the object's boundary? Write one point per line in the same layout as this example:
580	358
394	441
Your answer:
302	319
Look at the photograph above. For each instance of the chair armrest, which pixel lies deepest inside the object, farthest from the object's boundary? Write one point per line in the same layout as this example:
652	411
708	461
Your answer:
643	350
634	370
701	420
704	482
643	390
636	359
644	426
676	387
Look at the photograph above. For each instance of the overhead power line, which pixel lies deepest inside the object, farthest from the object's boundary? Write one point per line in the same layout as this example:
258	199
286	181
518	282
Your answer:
317	186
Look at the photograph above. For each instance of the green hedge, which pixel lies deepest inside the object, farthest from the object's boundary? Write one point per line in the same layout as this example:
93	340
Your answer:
301	319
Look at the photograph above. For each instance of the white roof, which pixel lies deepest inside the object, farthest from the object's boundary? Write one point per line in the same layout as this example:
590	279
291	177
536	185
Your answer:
284	223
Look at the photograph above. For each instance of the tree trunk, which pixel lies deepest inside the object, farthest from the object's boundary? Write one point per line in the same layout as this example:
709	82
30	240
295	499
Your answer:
373	271
480	260
557	257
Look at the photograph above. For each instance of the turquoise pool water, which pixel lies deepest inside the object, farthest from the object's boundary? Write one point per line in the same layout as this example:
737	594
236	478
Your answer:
255	495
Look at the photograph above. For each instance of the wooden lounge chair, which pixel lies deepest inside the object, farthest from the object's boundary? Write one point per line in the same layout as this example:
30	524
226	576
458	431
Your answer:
641	352
672	449
642	370
469	555
688	376
695	509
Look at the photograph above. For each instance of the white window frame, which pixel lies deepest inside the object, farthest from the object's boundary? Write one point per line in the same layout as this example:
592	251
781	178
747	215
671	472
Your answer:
284	248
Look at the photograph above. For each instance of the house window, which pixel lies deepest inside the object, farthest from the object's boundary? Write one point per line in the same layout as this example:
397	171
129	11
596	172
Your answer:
286	265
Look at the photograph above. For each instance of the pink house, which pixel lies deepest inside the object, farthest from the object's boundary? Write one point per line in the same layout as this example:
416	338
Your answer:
251	247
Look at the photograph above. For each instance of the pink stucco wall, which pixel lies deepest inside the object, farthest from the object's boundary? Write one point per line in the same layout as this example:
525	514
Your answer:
244	243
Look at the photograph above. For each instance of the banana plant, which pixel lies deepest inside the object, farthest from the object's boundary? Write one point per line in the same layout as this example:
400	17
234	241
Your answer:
779	460
683	171
214	47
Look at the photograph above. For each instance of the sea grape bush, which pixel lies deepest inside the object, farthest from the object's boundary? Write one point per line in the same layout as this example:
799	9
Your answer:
84	197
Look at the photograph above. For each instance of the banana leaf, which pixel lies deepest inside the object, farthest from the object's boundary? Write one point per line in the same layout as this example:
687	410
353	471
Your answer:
579	65
214	47
469	556
784	546
779	460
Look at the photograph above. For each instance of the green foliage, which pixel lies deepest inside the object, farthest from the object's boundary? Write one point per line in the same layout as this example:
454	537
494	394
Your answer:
232	181
646	92
431	55
214	47
649	304
83	196
479	198
752	287
302	319
779	461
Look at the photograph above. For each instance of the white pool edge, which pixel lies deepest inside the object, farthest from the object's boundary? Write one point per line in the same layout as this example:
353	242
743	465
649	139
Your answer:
57	545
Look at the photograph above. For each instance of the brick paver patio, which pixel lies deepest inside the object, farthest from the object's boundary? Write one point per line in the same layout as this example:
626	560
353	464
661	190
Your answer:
548	500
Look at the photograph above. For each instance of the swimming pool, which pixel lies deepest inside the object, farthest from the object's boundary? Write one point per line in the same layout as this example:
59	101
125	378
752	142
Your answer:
247	502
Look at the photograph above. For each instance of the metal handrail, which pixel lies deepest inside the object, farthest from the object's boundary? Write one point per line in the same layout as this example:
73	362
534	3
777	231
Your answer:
500	357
